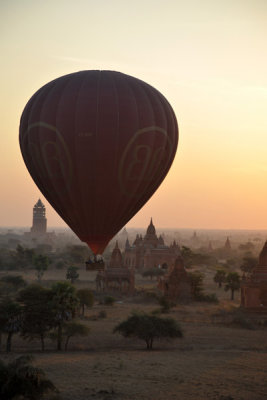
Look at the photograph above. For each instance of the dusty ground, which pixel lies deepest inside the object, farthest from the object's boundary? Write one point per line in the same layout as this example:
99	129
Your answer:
210	362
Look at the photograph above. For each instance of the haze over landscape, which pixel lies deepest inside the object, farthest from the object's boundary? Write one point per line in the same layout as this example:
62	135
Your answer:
208	59
173	303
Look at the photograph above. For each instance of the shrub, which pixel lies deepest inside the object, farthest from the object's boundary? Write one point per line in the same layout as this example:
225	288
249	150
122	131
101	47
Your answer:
86	298
20	379
220	277
102	314
165	304
109	300
209	298
196	280
72	274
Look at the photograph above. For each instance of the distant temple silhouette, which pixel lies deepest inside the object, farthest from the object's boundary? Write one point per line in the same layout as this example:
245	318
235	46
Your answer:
116	277
144	253
176	285
150	251
39	221
38	233
227	245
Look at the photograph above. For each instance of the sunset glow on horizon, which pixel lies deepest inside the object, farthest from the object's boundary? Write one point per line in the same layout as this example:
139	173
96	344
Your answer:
207	58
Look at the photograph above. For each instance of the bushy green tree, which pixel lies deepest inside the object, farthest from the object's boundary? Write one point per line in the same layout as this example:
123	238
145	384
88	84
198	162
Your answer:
59	264
86	298
10	320
19	379
232	283
109	300
38	313
24	256
249	246
196	280
220	277
187	255
72	274
165	304
248	264
64	304
10	284
148	328
77	253
41	263
74	328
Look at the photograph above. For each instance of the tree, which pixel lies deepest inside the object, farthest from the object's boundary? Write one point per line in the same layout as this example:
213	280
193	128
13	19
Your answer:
24	256
248	264
10	320
72	274
38	315
86	298
196	280
220	277
153	272
109	300
20	379
10	284
249	246
165	304
77	253
60	264
74	328
232	283
187	255
41	263
148	328
64	304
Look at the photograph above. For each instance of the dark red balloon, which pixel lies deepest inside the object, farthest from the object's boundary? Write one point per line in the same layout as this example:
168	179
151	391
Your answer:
98	144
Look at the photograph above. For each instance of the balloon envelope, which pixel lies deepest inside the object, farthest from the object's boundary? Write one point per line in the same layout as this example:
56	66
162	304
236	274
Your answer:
98	144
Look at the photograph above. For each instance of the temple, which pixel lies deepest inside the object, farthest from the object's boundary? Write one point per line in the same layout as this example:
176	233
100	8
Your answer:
39	222
145	252
38	235
254	287
176	286
227	245
150	251
116	277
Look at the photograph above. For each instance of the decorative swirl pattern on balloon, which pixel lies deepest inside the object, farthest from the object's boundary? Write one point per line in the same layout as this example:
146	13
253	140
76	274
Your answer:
146	151
49	151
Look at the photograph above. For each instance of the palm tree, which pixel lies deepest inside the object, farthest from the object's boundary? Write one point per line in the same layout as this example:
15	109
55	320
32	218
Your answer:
232	283
64	304
220	277
10	320
21	378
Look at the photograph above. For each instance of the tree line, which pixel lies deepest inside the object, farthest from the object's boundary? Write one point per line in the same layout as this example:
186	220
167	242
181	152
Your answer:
38	312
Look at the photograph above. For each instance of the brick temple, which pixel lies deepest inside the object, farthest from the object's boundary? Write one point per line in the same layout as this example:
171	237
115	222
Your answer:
254	287
116	276
175	286
150	251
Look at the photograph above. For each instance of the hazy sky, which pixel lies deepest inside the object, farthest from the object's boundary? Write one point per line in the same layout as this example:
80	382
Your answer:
209	59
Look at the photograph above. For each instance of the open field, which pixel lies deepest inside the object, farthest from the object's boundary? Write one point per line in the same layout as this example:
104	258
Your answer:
210	362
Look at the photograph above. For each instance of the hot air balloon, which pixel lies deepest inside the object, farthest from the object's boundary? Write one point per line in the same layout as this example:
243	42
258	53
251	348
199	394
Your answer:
98	144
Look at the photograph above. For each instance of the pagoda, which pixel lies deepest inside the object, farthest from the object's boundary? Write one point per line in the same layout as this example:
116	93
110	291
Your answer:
39	222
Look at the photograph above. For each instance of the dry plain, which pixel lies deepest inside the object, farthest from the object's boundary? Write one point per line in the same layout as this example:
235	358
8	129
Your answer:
212	361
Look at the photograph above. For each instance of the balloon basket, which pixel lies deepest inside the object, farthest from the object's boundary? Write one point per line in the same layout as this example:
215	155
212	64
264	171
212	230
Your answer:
95	266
